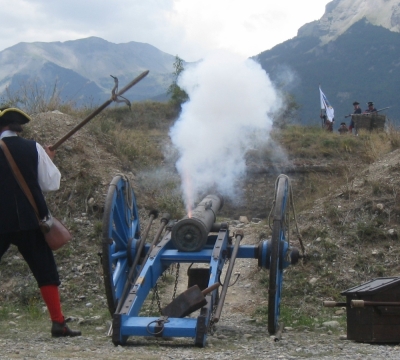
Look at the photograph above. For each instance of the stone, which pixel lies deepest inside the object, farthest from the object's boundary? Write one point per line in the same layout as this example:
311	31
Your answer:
244	219
392	233
247	336
313	281
333	324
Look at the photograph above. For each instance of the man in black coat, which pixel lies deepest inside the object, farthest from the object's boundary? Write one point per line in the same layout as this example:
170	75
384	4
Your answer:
18	222
371	108
357	110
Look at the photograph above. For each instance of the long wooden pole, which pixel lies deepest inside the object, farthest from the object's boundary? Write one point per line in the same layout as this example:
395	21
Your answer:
98	111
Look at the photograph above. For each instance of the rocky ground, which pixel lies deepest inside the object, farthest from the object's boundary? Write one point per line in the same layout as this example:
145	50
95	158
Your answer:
350	236
236	337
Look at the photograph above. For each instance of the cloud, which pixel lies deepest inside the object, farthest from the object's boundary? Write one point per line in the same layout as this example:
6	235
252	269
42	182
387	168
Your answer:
188	28
122	21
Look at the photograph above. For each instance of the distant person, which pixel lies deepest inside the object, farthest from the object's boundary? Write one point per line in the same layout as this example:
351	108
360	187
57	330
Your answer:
357	110
343	129
371	108
19	224
328	125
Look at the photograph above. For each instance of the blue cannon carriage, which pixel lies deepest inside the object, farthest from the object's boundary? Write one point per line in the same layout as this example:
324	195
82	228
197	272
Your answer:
132	266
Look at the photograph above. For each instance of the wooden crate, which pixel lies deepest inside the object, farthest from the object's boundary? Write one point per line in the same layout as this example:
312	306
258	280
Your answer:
369	122
374	323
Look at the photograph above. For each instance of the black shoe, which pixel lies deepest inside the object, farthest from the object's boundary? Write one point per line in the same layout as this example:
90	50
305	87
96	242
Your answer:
61	329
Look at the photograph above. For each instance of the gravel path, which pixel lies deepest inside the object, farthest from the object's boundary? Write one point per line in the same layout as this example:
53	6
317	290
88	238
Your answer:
236	337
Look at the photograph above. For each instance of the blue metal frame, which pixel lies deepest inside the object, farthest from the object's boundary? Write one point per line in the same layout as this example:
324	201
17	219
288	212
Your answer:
129	321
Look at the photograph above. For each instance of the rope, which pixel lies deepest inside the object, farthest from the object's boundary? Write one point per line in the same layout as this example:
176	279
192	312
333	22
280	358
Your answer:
295	221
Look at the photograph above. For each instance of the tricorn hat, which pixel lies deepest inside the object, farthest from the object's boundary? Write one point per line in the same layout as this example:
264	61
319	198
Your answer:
356	103
370	103
10	115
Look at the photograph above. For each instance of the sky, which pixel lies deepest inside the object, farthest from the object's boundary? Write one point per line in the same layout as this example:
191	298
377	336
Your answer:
190	29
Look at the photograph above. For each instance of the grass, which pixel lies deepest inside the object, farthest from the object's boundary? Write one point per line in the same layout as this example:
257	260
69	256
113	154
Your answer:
313	232
30	312
133	136
338	157
294	317
314	142
371	232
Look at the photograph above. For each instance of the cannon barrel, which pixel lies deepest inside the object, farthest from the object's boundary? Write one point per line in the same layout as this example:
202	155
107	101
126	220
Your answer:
191	233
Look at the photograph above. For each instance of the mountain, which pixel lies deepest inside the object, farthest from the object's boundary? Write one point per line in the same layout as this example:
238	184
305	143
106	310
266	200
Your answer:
81	69
340	15
353	55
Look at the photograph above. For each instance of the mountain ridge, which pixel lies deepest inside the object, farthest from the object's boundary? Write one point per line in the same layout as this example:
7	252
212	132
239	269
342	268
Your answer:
93	59
340	15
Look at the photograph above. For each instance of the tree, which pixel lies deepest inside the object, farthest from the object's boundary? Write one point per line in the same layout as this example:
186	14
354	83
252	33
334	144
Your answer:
178	95
289	112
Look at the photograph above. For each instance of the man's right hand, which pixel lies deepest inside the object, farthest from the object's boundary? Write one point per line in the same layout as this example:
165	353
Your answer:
49	152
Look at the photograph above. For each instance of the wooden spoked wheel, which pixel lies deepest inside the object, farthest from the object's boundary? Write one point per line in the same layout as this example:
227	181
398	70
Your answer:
276	262
120	226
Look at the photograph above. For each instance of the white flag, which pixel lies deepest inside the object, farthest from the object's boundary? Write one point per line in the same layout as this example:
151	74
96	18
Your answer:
326	105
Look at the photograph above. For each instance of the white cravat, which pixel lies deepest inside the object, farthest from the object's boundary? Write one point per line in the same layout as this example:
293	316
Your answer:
48	175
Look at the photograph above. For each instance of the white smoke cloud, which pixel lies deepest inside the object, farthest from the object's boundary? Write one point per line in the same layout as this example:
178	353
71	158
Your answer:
229	113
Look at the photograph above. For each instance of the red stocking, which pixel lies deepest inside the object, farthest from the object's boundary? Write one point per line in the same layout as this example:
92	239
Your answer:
52	299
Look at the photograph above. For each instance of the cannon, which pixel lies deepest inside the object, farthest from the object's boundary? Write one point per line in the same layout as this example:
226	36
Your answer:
132	265
190	233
